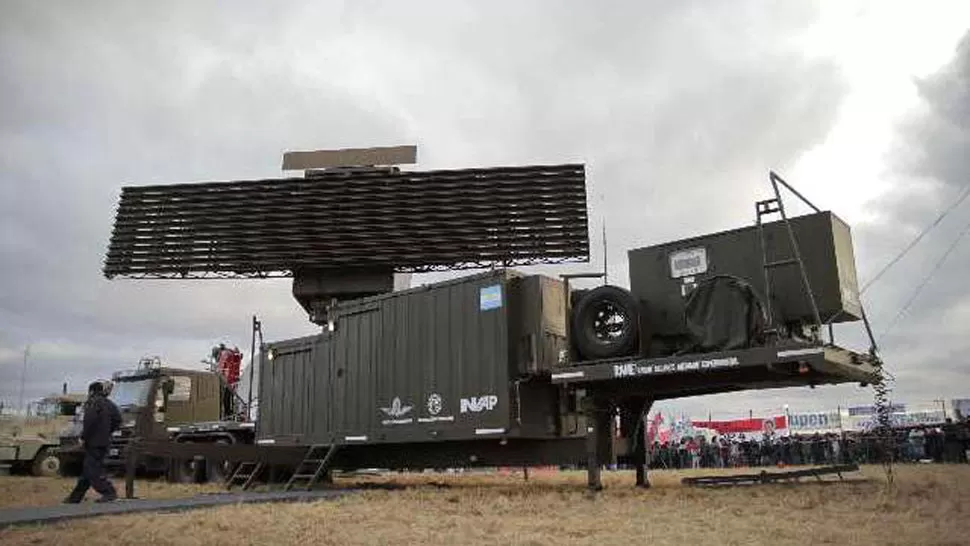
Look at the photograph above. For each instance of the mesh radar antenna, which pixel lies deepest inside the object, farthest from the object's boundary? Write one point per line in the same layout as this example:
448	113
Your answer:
350	223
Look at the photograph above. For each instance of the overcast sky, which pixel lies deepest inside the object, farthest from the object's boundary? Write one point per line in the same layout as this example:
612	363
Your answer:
678	110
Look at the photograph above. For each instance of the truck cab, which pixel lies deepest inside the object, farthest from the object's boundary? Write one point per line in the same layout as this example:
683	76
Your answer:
162	403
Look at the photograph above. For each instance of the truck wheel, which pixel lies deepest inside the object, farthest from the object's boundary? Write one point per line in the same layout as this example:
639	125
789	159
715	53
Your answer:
605	323
46	463
218	471
186	469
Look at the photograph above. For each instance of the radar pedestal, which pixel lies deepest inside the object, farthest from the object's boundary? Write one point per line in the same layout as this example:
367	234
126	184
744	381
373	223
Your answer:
318	289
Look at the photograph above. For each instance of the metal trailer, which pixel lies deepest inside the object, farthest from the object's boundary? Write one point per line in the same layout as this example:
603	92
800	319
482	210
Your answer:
472	372
496	368
301	413
593	394
476	372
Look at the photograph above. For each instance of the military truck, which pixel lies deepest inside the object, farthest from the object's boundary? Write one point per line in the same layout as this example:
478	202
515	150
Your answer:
164	403
29	444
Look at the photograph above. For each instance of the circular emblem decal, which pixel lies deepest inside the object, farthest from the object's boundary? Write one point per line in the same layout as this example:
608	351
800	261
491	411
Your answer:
434	404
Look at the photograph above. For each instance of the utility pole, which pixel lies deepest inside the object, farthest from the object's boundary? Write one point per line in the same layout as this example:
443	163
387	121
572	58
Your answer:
23	379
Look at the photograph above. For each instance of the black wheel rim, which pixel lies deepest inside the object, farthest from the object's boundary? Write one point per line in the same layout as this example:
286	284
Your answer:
607	323
187	474
219	471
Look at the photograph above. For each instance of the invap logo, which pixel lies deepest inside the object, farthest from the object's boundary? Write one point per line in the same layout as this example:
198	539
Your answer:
478	404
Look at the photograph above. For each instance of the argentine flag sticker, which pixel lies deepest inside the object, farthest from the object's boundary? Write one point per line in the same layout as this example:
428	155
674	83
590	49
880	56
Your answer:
490	297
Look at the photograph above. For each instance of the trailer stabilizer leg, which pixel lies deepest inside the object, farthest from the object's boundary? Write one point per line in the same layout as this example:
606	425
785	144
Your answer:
642	480
597	434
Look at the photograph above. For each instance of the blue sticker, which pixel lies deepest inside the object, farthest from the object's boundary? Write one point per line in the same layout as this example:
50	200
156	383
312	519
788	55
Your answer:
490	297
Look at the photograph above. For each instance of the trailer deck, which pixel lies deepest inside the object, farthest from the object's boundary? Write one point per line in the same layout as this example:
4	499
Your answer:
787	365
634	384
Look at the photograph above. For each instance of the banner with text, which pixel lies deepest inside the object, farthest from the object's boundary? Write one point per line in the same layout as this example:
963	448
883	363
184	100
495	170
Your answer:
767	425
900	419
800	423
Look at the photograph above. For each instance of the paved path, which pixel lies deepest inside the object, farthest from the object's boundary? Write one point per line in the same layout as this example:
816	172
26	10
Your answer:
48	514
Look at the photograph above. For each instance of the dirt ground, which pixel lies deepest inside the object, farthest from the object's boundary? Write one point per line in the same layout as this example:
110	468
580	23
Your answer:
930	504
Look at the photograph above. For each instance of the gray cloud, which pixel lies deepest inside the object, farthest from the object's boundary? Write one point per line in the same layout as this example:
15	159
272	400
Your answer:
678	109
927	347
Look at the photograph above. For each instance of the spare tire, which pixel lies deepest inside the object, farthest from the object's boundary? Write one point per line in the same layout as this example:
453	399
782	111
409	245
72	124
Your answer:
605	323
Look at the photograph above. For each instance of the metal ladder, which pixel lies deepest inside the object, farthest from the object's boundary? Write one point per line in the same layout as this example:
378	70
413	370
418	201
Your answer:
244	475
766	208
311	468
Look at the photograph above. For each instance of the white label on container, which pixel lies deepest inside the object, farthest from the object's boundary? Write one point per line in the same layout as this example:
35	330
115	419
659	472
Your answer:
685	263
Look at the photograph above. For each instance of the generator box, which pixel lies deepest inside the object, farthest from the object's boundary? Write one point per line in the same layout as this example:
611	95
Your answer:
662	276
455	360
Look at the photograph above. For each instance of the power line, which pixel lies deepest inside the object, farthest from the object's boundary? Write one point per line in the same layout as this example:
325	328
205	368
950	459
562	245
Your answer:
918	238
926	281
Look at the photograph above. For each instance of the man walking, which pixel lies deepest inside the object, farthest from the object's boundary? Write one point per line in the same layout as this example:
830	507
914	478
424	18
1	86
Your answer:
101	418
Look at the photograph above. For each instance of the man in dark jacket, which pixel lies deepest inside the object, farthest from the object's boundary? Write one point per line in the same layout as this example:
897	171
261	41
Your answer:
101	418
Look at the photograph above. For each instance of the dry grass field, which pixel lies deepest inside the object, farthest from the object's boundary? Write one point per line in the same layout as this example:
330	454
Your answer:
929	505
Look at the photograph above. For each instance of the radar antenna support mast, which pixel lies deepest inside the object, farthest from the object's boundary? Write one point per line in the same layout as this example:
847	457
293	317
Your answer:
257	332
319	291
606	254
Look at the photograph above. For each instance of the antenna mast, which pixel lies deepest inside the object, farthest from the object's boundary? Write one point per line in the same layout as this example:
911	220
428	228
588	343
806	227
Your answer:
606	272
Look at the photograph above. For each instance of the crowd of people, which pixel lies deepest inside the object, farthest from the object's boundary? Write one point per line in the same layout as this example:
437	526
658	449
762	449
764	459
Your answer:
948	443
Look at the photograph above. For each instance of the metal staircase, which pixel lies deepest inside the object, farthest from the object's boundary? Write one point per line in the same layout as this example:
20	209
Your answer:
312	467
244	475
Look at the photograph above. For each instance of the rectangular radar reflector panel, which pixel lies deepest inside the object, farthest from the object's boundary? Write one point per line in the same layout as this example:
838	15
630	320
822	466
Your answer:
352	220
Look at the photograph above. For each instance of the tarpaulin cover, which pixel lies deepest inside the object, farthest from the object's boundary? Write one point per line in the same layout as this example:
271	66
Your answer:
724	313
